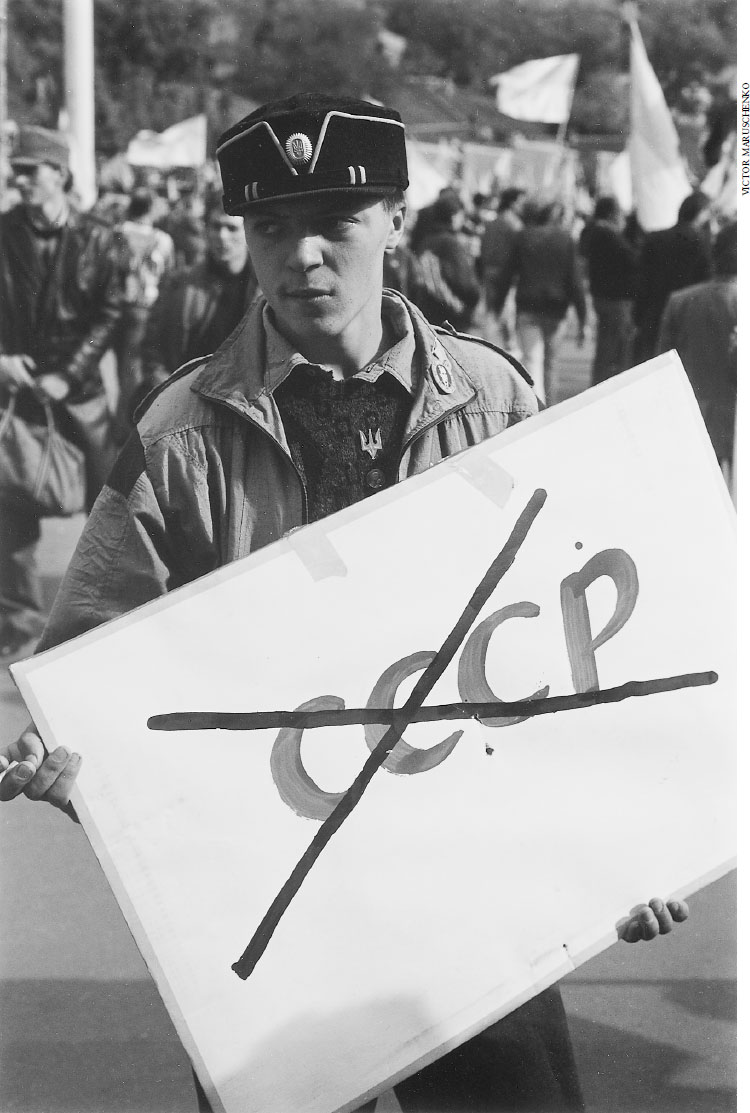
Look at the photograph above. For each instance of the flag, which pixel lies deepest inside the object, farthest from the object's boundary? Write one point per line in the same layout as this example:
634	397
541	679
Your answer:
425	178
183	144
540	90
660	182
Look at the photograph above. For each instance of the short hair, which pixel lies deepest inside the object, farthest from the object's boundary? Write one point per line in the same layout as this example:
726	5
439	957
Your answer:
141	202
212	205
393	199
445	208
690	208
509	197
724	251
606	208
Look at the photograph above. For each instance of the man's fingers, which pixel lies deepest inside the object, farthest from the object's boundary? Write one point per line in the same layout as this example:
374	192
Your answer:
679	909
58	794
16	779
641	924
663	915
648	923
55	777
630	932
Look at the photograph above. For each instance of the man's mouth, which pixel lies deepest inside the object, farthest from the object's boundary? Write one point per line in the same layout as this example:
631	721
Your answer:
306	293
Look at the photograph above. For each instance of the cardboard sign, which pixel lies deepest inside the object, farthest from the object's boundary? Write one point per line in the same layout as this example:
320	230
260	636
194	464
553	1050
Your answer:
582	561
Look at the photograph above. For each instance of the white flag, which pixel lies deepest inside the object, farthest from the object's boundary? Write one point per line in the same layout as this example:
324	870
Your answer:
183	144
660	182
540	90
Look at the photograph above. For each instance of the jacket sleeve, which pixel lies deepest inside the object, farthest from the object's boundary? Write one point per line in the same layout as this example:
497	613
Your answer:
458	269
107	302
666	339
133	549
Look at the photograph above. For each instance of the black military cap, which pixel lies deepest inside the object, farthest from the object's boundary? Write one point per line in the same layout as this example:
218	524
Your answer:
309	144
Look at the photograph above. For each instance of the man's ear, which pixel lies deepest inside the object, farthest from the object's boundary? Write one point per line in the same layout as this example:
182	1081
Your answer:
398	222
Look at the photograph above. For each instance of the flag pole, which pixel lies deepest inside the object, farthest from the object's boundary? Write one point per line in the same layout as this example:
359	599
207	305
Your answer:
562	130
78	44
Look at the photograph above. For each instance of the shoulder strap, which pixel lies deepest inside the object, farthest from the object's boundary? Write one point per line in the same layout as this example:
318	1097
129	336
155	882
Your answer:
448	328
153	394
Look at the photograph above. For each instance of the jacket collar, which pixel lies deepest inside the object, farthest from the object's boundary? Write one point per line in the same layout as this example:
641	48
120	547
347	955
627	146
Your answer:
255	359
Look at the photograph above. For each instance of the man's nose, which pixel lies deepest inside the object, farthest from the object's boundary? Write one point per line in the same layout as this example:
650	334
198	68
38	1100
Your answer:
305	253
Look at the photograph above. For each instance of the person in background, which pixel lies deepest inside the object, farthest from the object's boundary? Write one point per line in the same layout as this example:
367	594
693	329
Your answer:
147	256
60	302
198	307
670	260
545	269
611	261
184	222
452	292
475	220
495	251
424	219
329	391
700	321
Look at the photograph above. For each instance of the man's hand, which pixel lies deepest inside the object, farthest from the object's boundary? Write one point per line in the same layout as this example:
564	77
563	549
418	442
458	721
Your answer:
14	371
646	921
52	387
38	775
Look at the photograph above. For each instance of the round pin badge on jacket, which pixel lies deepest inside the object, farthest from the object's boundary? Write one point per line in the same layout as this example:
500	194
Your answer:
443	377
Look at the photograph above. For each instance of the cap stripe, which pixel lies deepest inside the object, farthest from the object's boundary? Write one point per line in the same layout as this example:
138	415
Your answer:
243	135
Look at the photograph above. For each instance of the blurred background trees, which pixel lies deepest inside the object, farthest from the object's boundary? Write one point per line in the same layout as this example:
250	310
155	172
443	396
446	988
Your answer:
157	61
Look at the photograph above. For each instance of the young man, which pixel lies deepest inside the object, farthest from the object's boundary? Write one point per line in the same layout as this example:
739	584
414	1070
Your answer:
327	391
543	266
200	305
611	261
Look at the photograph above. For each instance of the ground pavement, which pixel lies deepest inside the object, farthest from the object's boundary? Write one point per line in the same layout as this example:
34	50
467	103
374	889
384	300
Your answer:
83	1030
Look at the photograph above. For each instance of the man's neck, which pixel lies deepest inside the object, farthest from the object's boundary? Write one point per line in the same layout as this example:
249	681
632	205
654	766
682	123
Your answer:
230	267
346	354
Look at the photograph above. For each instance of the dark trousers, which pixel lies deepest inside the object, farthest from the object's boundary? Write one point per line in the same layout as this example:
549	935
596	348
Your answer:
21	603
614	338
522	1064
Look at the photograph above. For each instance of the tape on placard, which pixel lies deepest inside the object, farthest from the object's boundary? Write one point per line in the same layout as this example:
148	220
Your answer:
487	476
316	552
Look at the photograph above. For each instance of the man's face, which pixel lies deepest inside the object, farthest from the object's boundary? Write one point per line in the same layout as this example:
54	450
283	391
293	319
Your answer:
39	183
225	240
319	261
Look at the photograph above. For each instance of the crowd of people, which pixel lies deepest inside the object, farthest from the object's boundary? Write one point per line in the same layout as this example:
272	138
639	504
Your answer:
160	284
331	389
517	271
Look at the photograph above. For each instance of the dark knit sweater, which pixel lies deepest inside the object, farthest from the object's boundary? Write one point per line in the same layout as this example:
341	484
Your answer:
344	436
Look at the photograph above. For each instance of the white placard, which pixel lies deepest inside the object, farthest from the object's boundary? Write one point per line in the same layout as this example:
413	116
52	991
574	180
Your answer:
450	895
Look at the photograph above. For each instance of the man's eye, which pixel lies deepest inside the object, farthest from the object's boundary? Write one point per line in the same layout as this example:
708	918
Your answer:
266	228
339	224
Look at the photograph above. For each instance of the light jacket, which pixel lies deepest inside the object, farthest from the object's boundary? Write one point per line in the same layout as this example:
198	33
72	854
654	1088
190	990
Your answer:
207	477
